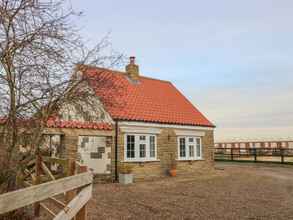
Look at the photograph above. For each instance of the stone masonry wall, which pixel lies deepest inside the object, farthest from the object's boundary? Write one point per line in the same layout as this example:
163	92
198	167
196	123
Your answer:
166	150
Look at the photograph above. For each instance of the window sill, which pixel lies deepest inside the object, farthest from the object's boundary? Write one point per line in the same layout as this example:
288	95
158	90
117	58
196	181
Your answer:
139	161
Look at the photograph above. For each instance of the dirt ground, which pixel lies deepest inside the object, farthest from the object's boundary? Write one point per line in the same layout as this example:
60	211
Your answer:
234	191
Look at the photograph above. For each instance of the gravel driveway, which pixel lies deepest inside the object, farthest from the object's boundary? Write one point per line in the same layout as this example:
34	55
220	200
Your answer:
233	191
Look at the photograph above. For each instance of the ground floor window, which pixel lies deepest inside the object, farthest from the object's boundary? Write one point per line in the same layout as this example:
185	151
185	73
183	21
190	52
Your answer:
130	146
140	147
52	145
189	148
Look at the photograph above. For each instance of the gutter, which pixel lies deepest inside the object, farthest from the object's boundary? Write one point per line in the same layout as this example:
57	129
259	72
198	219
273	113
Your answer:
116	150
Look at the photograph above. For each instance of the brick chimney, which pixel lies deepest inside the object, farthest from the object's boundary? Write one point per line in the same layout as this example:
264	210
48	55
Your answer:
132	69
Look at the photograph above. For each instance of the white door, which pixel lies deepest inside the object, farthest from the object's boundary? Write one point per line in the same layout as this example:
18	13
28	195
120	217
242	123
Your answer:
93	152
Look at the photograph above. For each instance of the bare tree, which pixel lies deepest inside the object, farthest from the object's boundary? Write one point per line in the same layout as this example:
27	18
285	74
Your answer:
39	49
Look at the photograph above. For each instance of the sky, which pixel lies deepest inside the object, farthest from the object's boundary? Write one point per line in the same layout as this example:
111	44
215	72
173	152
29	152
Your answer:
231	58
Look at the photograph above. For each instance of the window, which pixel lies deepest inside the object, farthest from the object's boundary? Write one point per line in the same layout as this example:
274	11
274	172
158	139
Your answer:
182	148
198	147
140	147
130	149
191	151
152	147
189	148
142	137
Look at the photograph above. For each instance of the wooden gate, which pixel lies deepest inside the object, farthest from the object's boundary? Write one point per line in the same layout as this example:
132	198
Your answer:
34	194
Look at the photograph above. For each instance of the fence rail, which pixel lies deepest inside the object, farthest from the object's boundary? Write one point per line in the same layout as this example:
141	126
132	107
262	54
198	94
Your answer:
27	196
274	155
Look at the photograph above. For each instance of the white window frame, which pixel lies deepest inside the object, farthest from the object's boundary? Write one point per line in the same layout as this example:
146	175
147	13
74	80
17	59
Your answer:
137	143
187	151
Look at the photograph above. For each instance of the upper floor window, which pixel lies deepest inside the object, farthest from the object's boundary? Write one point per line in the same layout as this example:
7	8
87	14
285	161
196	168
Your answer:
142	147
189	148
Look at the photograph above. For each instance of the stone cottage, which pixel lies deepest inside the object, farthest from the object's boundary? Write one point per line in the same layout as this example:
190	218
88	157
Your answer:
140	121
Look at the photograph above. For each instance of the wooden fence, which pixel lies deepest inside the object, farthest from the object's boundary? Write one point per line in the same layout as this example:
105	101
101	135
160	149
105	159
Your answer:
272	155
37	193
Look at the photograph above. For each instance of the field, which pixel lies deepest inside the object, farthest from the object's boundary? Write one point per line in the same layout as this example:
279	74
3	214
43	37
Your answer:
233	191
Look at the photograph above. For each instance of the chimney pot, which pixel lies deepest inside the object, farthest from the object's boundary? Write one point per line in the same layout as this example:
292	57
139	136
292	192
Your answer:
132	60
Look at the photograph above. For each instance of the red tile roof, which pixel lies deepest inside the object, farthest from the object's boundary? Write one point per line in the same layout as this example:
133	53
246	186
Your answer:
77	124
148	100
57	123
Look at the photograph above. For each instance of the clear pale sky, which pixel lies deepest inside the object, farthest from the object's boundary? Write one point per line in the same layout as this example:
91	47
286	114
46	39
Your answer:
231	58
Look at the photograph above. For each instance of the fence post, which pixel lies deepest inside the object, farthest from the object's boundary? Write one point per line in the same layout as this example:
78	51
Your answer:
70	172
70	144
38	168
282	155
255	154
82	214
231	152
